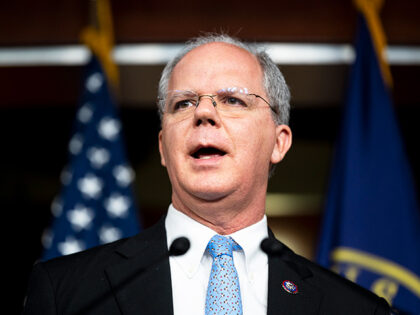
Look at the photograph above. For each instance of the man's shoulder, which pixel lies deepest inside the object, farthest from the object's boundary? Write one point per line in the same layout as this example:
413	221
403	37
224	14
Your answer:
99	257
78	281
338	290
331	281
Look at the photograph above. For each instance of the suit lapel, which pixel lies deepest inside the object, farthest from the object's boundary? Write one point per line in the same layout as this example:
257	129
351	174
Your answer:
286	268
142	281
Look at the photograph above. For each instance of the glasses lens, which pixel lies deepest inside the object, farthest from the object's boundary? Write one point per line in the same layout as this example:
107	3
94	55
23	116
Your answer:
234	100
181	101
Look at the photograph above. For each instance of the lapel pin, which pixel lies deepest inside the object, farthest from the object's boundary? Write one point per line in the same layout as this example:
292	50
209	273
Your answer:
289	287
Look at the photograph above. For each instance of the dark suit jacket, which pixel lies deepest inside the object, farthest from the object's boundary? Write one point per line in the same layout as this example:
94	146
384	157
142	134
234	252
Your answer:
132	276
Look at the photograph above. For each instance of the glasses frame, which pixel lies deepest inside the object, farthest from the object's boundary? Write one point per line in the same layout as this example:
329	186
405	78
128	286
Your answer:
214	103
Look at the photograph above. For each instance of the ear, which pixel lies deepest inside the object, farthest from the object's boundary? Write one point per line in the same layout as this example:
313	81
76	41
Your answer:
283	143
162	155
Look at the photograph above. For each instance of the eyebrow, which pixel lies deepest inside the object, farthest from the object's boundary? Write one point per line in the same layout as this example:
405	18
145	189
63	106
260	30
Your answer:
183	92
234	89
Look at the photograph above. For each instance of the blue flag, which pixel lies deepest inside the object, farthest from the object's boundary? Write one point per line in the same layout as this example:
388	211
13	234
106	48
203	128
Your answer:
371	228
96	204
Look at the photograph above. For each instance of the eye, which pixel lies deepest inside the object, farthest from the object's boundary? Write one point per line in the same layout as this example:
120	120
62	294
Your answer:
183	104
233	101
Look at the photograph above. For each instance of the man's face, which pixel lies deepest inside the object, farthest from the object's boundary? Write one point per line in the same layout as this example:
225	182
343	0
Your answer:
210	155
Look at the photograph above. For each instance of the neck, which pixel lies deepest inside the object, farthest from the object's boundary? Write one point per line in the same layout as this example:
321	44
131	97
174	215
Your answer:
222	216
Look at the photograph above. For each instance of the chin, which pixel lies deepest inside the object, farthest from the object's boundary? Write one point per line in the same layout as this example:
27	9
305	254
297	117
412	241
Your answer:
210	196
208	191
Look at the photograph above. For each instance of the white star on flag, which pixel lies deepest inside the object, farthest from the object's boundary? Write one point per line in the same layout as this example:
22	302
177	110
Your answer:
94	82
123	174
47	238
57	207
109	128
76	144
66	176
80	217
98	157
117	205
90	186
109	234
70	246
85	113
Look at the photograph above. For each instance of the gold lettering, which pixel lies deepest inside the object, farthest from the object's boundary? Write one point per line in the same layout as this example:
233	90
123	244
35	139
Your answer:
351	273
385	288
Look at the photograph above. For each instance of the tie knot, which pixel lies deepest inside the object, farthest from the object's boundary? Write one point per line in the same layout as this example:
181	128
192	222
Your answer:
222	245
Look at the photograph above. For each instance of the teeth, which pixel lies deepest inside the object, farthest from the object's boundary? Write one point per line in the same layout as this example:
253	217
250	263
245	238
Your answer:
205	157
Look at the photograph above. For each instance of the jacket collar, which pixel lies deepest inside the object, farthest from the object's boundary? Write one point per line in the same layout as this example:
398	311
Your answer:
289	267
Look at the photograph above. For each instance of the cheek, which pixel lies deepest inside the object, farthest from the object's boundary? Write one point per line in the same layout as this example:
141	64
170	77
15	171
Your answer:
256	142
165	147
171	146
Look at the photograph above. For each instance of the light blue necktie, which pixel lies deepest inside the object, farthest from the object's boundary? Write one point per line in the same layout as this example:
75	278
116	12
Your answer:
223	292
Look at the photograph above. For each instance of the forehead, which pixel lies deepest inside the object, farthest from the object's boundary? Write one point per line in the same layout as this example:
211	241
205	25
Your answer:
217	65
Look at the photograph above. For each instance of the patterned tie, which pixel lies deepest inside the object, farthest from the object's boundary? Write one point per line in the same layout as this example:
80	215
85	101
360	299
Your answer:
223	293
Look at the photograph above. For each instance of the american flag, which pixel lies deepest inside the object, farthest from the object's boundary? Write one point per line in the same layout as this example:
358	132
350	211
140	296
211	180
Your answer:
96	204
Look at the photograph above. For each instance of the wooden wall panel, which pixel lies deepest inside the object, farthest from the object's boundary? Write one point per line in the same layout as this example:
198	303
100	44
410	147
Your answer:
46	22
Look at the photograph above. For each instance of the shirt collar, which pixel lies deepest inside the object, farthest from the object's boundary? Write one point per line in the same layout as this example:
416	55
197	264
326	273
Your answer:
250	239
178	224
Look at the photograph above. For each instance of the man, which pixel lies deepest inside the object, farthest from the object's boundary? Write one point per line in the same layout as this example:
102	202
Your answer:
224	109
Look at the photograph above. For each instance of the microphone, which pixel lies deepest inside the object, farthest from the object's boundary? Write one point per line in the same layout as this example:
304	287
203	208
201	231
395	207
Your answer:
179	246
274	248
271	247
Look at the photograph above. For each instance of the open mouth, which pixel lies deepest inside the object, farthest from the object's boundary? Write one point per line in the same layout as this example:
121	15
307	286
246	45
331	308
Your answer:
205	153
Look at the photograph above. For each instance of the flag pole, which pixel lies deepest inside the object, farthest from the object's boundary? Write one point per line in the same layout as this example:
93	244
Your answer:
370	10
99	37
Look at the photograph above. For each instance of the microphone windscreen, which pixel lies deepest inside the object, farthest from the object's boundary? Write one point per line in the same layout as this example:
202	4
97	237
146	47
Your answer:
271	247
179	246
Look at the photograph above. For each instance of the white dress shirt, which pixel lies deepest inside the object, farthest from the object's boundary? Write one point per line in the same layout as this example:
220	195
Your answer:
190	272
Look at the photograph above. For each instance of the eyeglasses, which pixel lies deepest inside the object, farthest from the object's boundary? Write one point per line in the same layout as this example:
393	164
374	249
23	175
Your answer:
231	101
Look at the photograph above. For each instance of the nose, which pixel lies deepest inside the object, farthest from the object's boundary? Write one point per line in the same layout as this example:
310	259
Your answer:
206	112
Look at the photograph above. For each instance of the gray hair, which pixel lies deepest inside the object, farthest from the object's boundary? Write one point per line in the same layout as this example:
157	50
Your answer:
273	80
